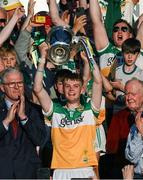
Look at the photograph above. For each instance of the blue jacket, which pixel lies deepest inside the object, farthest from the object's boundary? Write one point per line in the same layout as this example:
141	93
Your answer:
134	149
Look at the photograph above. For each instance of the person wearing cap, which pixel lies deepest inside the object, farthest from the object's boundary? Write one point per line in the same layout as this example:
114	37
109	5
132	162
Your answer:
10	6
6	31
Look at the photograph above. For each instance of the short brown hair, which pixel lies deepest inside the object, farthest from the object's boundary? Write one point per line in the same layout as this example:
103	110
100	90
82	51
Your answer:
74	76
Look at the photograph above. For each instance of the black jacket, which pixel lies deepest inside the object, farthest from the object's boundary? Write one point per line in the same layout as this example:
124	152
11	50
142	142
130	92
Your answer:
18	157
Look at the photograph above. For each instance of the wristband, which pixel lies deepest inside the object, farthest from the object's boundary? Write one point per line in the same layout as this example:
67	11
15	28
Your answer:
41	60
39	70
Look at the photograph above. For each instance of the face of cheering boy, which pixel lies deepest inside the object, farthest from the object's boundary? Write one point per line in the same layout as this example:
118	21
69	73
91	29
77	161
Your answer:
9	60
130	58
72	90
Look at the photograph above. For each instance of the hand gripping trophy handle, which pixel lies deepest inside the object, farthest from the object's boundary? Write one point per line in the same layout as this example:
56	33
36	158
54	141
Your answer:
88	49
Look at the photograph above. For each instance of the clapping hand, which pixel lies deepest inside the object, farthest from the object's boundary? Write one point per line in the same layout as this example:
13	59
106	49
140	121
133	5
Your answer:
21	107
11	114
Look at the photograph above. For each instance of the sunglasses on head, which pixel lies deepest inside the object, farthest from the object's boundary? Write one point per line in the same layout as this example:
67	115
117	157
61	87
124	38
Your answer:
123	29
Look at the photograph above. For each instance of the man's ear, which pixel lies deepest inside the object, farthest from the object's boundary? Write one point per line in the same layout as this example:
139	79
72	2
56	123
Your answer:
2	88
55	86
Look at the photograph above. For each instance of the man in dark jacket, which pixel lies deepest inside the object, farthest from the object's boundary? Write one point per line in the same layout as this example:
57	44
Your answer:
22	129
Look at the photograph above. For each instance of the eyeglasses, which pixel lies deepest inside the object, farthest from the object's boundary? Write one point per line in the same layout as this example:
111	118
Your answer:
13	84
123	29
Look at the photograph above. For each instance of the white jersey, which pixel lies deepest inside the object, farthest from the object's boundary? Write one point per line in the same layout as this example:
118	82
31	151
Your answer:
124	76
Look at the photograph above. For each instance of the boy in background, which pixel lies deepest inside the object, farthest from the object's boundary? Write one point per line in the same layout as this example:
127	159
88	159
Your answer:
130	50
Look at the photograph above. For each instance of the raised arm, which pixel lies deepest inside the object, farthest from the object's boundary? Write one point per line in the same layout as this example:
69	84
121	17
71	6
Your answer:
5	33
39	90
96	87
54	13
128	13
23	42
30	14
86	69
99	31
140	30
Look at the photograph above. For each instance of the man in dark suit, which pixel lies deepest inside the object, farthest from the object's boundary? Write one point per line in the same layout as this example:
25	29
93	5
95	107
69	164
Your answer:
22	129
